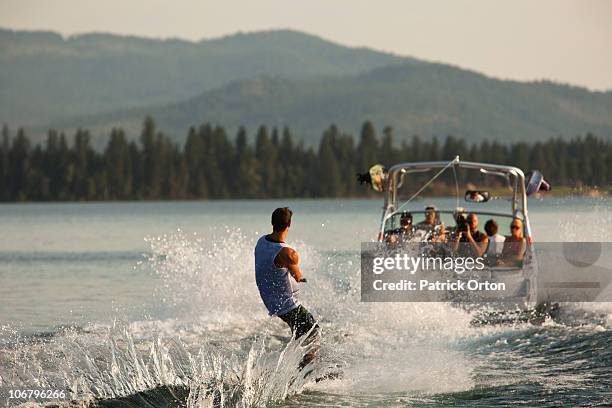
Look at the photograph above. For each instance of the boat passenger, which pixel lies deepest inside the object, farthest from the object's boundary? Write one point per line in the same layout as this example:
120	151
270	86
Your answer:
514	245
406	223
473	242
496	241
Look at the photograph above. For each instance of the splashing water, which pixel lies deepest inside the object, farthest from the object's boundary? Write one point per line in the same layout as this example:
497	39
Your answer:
120	366
221	349
224	348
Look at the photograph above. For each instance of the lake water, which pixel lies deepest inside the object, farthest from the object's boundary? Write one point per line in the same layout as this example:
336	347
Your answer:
121	303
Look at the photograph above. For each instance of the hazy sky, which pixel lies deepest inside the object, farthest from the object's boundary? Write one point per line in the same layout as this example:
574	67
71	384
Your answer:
567	41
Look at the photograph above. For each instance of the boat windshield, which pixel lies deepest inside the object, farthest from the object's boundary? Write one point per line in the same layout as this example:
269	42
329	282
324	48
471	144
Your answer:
394	223
474	189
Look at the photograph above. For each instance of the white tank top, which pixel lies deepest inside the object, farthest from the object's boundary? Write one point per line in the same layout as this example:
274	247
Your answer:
496	243
274	283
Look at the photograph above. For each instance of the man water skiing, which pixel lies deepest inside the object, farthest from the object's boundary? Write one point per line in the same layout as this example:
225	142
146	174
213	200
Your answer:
275	264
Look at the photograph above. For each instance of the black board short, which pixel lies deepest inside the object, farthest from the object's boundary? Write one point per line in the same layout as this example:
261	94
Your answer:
300	321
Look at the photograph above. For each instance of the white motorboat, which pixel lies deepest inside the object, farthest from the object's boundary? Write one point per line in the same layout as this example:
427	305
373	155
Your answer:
491	191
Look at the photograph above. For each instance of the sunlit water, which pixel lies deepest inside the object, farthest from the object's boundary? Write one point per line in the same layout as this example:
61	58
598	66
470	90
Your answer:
129	304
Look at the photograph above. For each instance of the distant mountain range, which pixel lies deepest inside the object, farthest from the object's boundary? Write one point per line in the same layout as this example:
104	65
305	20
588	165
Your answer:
277	78
45	77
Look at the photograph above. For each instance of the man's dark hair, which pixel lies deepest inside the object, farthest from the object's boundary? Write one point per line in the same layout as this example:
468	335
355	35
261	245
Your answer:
491	227
281	218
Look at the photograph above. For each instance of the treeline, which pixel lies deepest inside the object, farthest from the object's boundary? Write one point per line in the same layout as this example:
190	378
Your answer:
211	164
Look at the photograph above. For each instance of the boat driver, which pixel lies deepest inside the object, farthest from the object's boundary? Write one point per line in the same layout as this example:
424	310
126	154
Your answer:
405	229
432	224
403	233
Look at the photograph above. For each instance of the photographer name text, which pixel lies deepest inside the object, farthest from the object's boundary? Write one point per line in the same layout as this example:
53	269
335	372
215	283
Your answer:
426	285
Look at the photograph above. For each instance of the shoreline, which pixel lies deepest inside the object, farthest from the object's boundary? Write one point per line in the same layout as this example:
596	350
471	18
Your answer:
556	192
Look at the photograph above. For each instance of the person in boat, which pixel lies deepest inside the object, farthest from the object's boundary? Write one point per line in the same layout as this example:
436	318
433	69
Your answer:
404	232
406	223
477	197
432	225
514	245
276	263
469	241
496	240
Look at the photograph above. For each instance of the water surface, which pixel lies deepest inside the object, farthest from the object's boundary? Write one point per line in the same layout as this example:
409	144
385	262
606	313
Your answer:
112	299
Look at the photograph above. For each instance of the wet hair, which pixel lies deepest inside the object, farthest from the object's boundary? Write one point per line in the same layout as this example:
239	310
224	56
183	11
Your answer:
281	218
491	227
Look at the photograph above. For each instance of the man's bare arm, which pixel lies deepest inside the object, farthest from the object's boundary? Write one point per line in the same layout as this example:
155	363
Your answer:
479	247
288	258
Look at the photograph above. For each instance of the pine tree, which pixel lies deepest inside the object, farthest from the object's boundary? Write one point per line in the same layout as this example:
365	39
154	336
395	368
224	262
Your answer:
84	187
291	178
118	166
346	156
4	163
151	171
267	156
219	154
19	166
367	151
248	183
195	153
387	150
328	172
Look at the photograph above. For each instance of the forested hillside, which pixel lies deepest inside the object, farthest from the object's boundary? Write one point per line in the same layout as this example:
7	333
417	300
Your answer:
279	78
45	77
426	100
